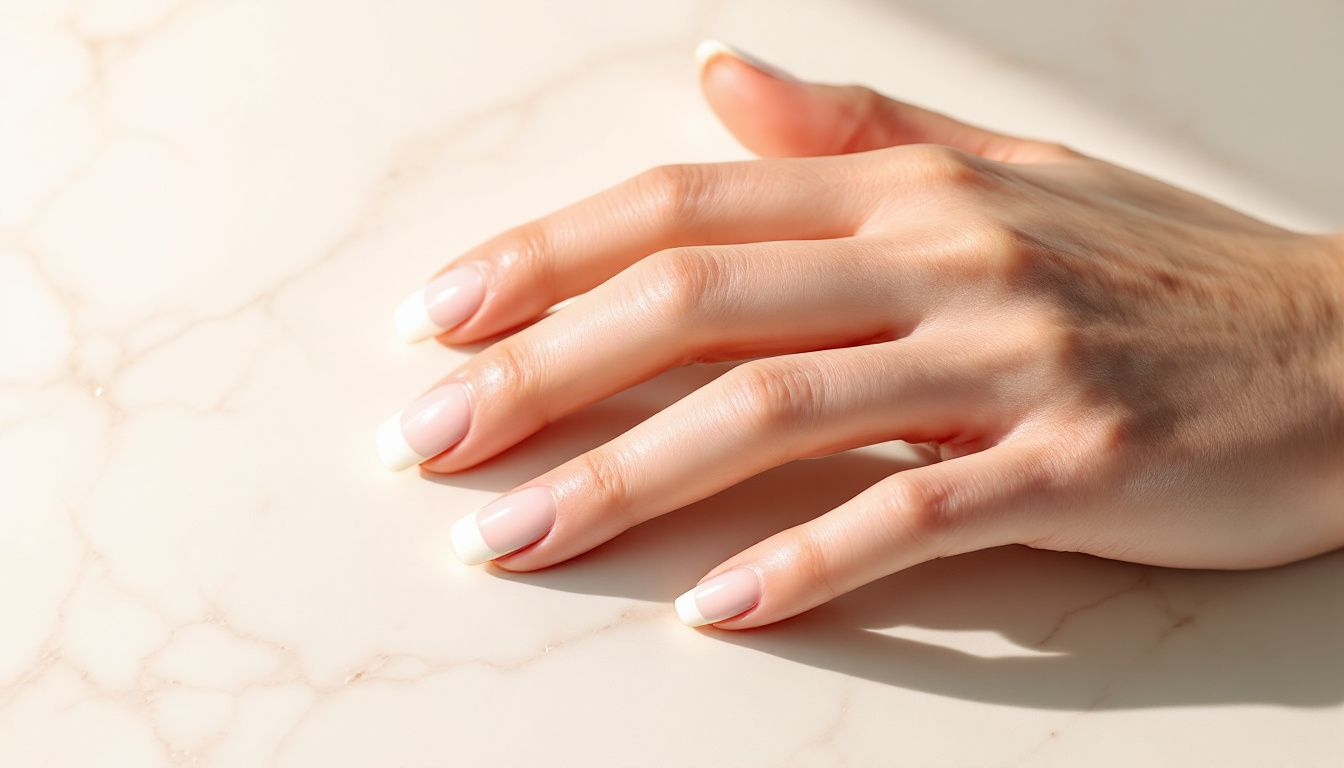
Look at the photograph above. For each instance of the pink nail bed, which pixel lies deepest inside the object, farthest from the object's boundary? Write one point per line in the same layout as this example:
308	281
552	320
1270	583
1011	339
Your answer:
425	428
504	525
445	303
722	597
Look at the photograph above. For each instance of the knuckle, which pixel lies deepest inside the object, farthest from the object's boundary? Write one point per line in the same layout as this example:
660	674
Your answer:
507	368
861	106
934	164
1061	343
1054	150
1043	337
1038	151
989	236
984	249
673	192
676	283
1110	437
996	244
603	477
1094	453
1008	250
528	248
810	557
920	511
863	100
771	394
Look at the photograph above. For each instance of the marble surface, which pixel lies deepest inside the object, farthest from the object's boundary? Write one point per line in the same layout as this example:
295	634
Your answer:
208	210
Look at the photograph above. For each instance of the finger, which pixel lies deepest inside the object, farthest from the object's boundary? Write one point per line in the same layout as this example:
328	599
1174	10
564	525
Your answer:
517	275
711	302
777	115
757	416
959	505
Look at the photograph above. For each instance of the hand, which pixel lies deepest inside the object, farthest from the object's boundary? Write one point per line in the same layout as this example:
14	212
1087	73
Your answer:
1107	364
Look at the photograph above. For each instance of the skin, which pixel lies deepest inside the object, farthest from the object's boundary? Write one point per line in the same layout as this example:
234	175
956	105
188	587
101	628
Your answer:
1106	364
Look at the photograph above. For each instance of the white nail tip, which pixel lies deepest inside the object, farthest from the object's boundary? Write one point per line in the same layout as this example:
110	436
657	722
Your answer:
708	49
468	544
392	447
688	611
413	321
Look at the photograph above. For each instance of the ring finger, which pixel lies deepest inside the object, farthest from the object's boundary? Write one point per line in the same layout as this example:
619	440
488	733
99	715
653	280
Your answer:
760	415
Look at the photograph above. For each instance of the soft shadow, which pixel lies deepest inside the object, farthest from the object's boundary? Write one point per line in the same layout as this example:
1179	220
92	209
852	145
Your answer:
1243	85
1091	634
659	559
1079	633
1076	632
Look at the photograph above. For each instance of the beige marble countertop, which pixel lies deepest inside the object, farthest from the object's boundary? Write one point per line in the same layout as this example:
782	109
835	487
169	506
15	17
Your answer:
209	208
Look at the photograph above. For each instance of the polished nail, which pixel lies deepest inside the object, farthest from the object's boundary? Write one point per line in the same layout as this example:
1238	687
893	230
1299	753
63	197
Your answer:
425	428
445	303
708	49
504	525
722	597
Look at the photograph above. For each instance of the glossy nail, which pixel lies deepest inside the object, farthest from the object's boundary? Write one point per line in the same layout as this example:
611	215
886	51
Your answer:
425	428
504	525
722	597
445	303
708	49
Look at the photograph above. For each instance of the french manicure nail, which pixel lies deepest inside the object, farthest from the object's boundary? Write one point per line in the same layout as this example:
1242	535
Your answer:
427	427
442	305
504	525
708	49
722	597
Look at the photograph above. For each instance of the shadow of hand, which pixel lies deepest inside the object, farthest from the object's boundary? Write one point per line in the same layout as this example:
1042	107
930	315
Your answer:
1068	631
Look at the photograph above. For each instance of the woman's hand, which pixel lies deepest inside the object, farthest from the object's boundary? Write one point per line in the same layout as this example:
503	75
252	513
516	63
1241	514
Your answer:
1107	364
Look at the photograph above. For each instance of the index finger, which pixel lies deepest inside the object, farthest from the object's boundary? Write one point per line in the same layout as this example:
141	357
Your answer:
518	274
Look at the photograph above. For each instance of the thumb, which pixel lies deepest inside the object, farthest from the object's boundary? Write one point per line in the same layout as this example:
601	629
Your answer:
777	115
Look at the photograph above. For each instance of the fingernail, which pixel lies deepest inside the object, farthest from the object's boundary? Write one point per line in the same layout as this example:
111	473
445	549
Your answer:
442	305
708	49
722	597
427	427
504	525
